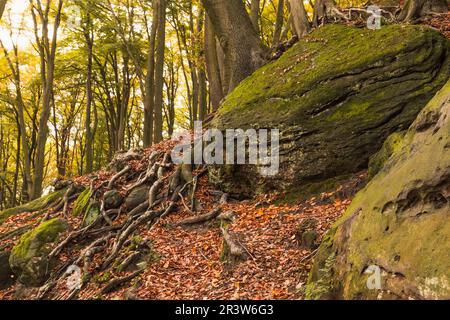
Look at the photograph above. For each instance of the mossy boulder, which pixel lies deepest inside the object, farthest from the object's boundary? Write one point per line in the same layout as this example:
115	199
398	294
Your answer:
400	223
29	258
335	97
34	206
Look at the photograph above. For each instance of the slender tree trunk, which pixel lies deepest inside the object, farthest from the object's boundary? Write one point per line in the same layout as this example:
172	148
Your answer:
2	7
15	70
47	55
278	24
150	81
89	37
16	173
212	66
300	19
255	13
159	71
243	48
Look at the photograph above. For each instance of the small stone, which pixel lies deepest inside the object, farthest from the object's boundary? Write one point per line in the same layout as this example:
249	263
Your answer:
137	197
113	199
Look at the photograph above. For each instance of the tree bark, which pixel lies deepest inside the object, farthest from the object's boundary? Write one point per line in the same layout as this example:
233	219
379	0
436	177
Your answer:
150	81
89	38
300	19
212	66
414	9
159	71
321	9
255	12
243	48
47	52
20	105
2	7
278	24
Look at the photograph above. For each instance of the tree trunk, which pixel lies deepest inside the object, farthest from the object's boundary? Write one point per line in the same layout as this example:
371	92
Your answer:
159	70
255	12
414	9
278	24
321	9
300	20
150	81
243	48
89	37
212	66
47	52
20	105
2	7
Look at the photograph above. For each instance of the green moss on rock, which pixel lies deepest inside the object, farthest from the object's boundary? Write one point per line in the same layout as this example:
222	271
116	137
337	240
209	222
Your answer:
28	258
393	143
33	206
92	213
81	203
399	223
335	97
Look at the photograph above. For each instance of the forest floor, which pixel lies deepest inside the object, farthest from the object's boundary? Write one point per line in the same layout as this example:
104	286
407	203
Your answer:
187	260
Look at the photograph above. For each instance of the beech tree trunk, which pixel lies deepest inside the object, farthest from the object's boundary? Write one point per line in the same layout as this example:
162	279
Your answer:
321	9
47	52
159	70
278	24
89	37
150	81
2	7
255	12
20	105
212	66
243	48
300	19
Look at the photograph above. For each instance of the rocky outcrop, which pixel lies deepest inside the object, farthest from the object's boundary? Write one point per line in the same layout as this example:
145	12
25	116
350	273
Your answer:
399	225
29	258
335	96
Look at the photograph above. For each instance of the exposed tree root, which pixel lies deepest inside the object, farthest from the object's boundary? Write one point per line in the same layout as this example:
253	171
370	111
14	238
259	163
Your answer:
199	219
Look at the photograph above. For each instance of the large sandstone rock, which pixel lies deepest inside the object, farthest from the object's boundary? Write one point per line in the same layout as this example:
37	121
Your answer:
335	96
400	223
29	258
